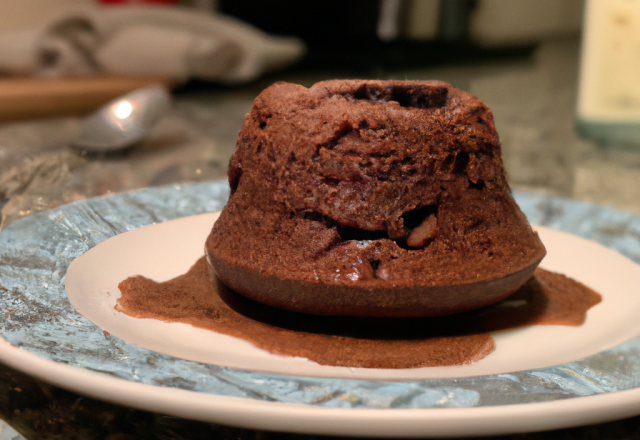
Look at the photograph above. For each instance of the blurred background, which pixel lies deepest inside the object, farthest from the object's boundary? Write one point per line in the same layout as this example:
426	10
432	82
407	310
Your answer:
562	78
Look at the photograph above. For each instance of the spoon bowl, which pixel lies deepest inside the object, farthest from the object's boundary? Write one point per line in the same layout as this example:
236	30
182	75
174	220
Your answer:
124	121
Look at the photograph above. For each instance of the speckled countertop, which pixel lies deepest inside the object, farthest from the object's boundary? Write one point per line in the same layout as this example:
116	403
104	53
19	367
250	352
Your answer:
533	103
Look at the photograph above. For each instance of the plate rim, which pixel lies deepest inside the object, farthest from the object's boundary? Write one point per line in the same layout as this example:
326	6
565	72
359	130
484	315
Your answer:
582	219
306	419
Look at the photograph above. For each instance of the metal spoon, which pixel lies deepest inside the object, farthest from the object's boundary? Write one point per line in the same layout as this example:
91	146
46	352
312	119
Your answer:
124	121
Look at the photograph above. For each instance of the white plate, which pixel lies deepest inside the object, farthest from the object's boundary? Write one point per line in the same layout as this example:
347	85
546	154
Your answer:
168	249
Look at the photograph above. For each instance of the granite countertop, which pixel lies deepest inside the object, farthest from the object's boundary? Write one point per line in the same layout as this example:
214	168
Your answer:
533	101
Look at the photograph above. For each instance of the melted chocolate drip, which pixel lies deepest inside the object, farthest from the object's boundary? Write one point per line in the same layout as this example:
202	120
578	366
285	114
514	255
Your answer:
547	298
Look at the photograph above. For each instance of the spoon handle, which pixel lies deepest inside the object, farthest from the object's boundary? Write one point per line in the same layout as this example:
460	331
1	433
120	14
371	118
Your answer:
30	98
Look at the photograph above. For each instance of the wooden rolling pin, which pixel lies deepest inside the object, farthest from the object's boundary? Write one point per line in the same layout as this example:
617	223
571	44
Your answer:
29	98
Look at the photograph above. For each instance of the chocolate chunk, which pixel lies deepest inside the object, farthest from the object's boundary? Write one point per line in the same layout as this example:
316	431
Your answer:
427	230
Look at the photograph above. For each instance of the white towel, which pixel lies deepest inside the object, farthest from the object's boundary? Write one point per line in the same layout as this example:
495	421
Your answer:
161	41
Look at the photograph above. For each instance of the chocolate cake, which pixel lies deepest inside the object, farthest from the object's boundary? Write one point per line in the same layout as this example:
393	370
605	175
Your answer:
371	198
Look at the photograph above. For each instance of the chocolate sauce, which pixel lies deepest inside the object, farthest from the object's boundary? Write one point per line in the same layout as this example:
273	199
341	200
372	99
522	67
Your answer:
546	299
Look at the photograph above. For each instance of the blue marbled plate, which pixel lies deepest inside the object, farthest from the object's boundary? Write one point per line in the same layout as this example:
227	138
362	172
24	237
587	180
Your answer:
36	251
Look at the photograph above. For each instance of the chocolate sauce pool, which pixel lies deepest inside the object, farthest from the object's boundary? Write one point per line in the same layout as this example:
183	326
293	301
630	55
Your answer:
546	299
